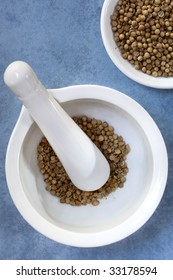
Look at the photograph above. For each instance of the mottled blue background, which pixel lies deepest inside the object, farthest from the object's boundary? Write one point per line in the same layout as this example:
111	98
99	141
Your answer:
61	40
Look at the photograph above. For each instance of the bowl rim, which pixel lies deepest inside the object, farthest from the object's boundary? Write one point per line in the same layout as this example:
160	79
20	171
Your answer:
133	223
128	69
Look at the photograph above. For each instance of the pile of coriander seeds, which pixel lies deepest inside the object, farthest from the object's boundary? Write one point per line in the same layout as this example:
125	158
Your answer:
143	32
111	145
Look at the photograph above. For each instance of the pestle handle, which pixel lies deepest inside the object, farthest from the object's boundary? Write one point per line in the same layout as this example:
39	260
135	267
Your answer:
84	163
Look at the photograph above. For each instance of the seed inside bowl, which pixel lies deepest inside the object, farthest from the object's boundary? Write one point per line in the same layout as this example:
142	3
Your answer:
143	32
111	145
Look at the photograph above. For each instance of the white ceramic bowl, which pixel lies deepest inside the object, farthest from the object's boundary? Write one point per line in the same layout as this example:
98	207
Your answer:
114	53
122	212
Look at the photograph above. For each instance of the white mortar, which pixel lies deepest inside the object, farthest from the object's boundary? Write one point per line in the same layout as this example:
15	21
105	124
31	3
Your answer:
122	212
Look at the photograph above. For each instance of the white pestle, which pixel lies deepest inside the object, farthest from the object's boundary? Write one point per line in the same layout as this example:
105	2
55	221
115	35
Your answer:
86	166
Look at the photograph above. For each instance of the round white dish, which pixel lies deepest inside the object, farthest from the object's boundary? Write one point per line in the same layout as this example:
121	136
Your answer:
123	65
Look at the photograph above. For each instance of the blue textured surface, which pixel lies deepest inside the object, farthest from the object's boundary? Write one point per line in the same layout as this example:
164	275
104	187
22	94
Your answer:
61	40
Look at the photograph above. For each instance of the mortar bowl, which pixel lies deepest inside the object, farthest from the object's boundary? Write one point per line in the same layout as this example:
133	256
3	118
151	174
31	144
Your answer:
120	214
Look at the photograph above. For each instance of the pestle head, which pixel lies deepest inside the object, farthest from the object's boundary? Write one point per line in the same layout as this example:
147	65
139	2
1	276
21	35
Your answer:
21	79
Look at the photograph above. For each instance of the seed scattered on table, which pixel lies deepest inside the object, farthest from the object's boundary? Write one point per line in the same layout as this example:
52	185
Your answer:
111	145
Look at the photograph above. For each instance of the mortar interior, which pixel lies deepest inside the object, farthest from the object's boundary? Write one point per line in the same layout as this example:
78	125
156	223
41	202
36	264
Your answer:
118	206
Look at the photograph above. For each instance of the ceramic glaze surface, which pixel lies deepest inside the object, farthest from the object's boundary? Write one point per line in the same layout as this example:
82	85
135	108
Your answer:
65	50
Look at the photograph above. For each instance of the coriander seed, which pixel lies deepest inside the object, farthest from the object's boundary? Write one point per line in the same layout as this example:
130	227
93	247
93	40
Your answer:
142	27
113	147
